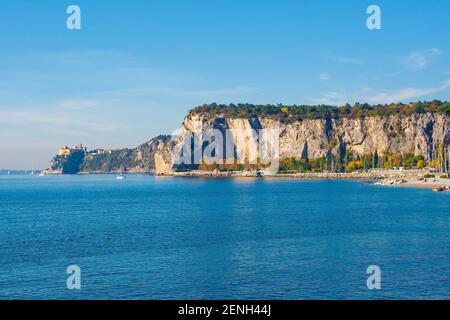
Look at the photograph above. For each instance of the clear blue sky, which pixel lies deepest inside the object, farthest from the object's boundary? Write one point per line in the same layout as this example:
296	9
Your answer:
136	67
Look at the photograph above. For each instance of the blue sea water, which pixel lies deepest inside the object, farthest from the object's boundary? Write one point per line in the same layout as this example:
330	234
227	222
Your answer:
190	238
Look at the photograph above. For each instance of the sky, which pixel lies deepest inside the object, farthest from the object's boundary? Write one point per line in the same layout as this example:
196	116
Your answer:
136	67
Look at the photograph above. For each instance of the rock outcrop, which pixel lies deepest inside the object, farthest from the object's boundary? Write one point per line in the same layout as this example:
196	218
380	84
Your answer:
137	160
69	164
418	134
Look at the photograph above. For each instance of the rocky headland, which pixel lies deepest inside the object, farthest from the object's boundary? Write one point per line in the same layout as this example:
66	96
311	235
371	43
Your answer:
360	141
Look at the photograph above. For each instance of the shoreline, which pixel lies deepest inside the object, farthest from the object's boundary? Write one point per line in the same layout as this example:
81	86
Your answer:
389	178
385	179
443	184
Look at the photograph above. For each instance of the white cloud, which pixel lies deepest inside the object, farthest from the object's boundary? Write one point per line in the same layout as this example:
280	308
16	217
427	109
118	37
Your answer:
66	123
406	94
77	104
335	98
323	76
234	93
420	60
374	96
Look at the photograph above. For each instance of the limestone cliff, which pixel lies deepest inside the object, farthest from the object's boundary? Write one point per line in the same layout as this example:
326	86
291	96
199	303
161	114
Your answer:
418	134
303	132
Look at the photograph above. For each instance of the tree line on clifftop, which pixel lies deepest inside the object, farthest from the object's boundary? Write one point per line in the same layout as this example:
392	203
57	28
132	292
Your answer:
293	113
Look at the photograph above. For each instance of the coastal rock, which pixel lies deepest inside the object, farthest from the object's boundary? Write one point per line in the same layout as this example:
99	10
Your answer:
163	157
419	134
416	133
390	182
137	160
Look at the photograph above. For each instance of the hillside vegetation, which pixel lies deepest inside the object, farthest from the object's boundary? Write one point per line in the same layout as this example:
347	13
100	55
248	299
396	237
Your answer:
293	113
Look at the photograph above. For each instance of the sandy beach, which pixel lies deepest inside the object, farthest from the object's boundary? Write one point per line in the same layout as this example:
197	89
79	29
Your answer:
430	183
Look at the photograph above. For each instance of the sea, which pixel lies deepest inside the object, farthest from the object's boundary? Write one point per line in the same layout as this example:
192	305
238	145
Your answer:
149	237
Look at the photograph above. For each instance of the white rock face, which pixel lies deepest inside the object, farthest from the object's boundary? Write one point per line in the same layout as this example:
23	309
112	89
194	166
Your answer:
161	165
418	133
245	139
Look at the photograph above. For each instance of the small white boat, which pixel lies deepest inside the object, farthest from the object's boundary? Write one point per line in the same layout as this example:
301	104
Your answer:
41	174
121	177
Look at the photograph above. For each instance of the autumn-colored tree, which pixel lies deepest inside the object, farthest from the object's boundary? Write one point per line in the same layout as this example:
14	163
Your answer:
421	164
393	160
354	165
434	164
206	167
